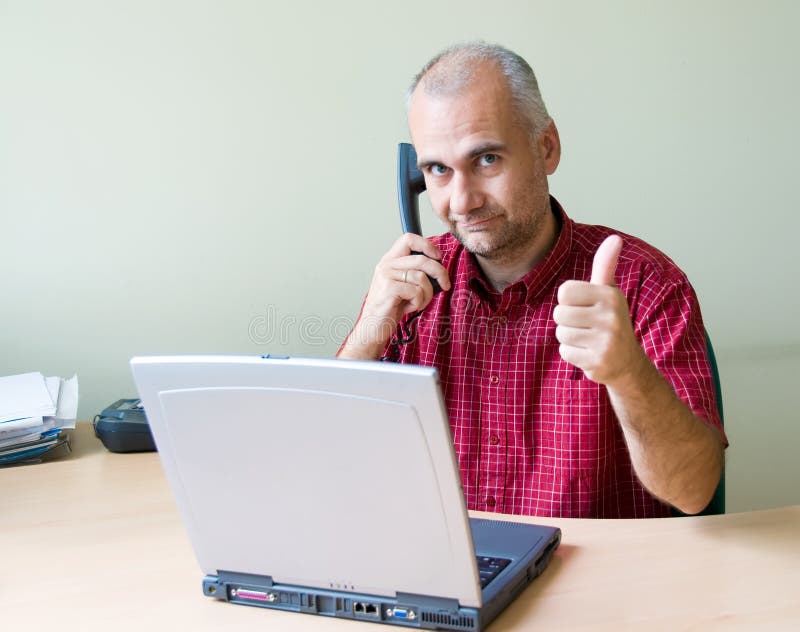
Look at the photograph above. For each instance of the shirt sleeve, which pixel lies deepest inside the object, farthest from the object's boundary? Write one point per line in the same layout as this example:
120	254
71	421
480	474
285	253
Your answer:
669	325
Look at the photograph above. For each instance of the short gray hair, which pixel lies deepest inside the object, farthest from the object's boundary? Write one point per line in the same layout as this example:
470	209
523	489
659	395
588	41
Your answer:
460	62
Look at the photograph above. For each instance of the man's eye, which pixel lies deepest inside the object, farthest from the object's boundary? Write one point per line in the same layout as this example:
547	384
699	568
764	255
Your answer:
438	170
488	159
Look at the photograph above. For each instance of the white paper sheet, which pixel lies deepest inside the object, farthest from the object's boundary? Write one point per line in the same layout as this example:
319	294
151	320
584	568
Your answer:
67	406
24	395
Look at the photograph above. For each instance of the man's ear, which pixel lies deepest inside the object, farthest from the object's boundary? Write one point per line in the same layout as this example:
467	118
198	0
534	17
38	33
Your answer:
550	147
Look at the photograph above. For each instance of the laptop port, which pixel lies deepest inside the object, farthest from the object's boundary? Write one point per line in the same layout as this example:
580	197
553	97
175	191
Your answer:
401	613
366	609
253	595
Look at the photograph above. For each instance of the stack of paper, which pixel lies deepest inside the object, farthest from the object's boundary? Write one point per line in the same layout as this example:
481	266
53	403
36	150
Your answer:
34	411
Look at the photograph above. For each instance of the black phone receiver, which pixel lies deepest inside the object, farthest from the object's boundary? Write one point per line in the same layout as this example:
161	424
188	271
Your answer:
410	183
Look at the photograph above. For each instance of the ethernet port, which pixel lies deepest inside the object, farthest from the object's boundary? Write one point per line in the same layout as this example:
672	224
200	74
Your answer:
371	609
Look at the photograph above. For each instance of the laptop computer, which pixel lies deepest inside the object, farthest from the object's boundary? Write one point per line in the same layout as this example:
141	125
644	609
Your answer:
331	487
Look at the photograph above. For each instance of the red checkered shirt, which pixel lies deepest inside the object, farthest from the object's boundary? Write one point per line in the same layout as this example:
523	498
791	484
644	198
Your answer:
532	434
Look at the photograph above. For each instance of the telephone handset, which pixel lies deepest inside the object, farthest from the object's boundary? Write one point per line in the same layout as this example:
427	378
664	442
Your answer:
410	183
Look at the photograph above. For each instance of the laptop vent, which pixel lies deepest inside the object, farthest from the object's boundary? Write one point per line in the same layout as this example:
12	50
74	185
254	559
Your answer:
438	618
505	525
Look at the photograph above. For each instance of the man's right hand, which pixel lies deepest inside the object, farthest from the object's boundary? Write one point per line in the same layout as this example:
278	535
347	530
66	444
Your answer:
400	286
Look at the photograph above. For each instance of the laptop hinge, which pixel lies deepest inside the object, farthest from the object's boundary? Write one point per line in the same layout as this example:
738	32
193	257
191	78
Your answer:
426	601
245	578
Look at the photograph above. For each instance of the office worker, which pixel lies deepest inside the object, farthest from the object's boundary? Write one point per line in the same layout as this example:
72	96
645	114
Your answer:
572	357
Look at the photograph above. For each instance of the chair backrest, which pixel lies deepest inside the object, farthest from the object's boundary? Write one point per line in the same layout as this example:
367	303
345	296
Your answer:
717	504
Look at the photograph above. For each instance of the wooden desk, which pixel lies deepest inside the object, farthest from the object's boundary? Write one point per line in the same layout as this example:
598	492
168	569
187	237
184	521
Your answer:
94	542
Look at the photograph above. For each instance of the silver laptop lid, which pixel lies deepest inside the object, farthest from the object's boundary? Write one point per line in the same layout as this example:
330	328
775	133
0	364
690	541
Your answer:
323	473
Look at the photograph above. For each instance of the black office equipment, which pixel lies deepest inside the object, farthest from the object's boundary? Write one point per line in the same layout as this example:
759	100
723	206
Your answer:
123	427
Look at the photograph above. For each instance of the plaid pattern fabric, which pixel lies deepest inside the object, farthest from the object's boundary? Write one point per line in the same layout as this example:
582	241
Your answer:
533	435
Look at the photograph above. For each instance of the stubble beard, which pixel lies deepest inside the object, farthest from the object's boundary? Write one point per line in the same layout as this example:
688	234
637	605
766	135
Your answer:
508	240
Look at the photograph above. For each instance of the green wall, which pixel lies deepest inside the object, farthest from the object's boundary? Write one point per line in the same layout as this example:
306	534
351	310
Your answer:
187	177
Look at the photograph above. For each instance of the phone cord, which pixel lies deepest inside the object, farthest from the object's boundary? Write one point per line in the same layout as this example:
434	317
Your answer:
406	336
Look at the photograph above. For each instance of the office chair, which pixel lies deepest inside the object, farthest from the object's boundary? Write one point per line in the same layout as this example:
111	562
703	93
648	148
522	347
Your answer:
717	503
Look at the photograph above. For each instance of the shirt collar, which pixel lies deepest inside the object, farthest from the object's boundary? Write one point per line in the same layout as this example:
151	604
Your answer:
541	277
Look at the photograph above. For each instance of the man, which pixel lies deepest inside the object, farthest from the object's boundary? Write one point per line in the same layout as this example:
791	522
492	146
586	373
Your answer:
572	359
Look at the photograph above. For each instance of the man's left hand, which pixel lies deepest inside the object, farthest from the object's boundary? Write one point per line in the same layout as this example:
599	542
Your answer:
594	324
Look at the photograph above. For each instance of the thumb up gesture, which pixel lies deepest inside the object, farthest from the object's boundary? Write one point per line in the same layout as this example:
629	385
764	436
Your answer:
593	322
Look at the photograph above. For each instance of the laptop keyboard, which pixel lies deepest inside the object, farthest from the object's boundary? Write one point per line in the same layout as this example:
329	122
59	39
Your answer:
490	567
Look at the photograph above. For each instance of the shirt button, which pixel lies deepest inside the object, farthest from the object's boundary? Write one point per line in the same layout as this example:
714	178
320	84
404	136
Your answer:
490	501
494	440
494	379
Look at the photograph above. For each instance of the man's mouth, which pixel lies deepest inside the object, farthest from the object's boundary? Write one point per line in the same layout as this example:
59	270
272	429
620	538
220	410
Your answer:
476	224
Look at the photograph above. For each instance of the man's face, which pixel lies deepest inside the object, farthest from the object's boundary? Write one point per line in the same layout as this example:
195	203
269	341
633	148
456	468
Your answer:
486	176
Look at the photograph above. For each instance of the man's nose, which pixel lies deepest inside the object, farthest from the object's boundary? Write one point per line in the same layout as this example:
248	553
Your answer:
465	196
